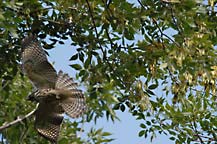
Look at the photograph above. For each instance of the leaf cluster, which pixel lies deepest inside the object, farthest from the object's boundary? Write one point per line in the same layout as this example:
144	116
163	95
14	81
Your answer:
155	59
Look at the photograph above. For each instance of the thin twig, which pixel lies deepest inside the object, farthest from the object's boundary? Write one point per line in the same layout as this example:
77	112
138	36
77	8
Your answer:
161	32
95	28
174	20
109	38
173	78
194	127
100	45
203	92
7	82
209	139
18	120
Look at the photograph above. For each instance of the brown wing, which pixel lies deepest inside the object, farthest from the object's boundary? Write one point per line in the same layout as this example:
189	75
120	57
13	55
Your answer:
73	101
35	64
48	119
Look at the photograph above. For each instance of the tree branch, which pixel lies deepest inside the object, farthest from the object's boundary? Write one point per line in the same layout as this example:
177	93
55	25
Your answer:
100	45
4	85
209	139
18	120
158	27
94	25
175	21
194	127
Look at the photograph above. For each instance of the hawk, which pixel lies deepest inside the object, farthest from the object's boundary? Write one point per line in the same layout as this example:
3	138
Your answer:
56	93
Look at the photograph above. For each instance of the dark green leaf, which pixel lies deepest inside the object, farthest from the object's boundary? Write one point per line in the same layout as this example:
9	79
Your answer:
153	86
74	57
143	126
61	42
42	36
122	108
76	66
150	92
141	133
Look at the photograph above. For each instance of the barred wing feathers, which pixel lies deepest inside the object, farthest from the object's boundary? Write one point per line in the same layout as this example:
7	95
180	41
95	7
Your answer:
48	119
35	64
32	50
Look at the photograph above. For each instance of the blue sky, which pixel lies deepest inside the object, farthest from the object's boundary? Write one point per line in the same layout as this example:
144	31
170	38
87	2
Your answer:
124	131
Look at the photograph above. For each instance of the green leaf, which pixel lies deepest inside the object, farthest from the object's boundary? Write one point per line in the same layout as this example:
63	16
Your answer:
141	133
1	17
87	62
116	107
143	126
122	107
153	86
61	42
76	66
81	56
148	123
150	92
42	36
132	43
74	57
19	3
106	134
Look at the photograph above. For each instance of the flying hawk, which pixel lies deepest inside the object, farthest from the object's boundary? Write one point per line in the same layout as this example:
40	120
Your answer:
56	93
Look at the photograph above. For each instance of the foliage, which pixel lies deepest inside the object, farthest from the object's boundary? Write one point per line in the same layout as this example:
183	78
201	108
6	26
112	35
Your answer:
156	59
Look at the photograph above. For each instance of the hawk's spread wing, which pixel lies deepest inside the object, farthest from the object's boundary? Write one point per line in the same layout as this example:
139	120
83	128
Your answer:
73	101
35	64
48	119
54	102
55	94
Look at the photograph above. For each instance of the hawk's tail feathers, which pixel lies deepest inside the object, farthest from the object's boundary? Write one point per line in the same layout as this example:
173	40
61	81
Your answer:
74	105
65	82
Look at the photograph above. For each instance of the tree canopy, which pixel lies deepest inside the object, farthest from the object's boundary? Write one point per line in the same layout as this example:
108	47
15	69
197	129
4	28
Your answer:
127	52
